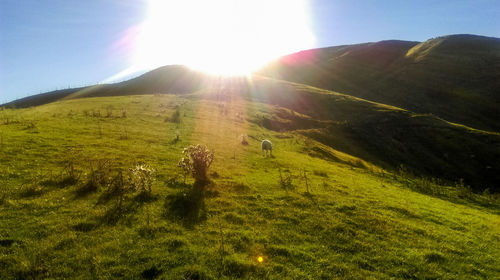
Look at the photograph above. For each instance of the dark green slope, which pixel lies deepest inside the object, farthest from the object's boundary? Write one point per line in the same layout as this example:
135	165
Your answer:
454	77
385	135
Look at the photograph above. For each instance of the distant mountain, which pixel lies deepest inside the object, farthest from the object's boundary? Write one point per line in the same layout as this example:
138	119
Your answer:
166	79
455	77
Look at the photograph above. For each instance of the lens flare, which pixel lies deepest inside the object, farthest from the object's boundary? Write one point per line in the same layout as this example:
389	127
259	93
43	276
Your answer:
224	37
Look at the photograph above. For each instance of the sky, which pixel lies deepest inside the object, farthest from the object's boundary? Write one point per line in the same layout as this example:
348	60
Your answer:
56	44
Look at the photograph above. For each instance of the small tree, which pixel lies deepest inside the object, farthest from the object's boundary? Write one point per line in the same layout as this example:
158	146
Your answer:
197	160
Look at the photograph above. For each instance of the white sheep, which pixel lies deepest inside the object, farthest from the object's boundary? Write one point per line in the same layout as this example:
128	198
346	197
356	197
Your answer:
267	146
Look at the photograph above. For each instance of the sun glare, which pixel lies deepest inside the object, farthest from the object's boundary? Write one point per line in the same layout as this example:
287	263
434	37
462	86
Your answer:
225	37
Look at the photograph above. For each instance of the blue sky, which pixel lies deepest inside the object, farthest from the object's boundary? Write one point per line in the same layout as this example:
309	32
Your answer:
55	44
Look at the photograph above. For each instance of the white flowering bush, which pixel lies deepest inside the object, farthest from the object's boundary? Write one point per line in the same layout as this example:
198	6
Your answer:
196	161
142	177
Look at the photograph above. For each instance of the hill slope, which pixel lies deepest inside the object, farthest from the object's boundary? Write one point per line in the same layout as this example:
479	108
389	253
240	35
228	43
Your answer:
166	79
383	135
344	221
455	77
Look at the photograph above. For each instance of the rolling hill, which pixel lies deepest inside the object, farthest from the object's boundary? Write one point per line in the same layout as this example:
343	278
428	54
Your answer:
310	211
166	79
454	77
422	141
384	135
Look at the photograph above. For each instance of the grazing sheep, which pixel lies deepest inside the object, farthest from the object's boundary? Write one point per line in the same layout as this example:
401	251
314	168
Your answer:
267	146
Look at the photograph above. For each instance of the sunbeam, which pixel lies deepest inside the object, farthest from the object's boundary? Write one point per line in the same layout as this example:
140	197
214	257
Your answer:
222	36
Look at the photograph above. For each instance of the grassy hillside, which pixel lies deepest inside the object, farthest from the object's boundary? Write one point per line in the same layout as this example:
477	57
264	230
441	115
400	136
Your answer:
381	134
385	135
436	112
454	77
349	219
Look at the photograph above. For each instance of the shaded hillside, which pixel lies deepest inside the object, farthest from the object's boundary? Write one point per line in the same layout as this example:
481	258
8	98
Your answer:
166	79
382	134
454	77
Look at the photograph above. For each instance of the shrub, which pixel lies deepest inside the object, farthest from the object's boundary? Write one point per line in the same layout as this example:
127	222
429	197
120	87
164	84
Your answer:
142	177
196	161
286	180
98	177
70	175
120	187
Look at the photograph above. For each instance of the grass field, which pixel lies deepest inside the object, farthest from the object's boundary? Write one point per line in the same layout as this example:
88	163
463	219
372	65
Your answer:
349	219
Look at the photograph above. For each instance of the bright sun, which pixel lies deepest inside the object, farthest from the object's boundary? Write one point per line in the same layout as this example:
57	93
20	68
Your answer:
224	37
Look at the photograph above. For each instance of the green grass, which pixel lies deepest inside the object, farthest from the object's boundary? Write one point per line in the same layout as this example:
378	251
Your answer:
381	134
353	224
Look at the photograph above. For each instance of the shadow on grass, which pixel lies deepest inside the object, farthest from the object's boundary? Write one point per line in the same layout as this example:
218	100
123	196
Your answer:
61	182
114	214
38	187
187	206
125	208
456	193
174	184
117	212
313	200
86	189
32	191
151	273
